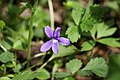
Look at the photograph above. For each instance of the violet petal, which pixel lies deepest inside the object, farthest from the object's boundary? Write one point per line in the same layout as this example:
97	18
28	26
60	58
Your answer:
46	46
57	32
49	31
55	46
63	41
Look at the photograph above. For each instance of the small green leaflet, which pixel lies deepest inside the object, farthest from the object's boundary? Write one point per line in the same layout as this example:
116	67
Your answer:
104	30
84	72
77	13
26	75
64	51
2	24
42	74
92	15
5	78
73	32
68	78
6	57
73	65
17	44
88	45
97	66
114	42
62	74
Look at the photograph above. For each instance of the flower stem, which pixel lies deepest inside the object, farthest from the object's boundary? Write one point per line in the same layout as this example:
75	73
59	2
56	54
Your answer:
30	33
51	13
29	40
51	58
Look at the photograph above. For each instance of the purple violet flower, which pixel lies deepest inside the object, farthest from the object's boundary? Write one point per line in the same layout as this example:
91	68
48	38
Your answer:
55	40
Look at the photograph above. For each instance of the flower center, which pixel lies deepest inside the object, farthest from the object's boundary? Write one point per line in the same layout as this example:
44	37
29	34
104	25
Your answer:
54	41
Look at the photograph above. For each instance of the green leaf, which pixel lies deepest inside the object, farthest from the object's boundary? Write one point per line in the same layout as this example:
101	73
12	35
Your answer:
6	57
18	45
104	30
17	68
42	74
62	74
77	14
73	65
71	4
93	31
92	16
5	78
98	66
2	24
84	73
6	44
114	67
26	75
114	42
73	32
86	26
68	78
65	51
88	45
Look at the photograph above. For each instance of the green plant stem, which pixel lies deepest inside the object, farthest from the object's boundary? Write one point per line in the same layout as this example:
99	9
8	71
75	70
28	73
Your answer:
29	40
46	63
51	13
30	33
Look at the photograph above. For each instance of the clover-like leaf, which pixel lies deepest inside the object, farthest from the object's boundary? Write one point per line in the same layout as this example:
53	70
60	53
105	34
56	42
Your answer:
104	30
62	74
88	45
42	74
97	66
65	51
6	57
73	32
77	13
26	75
73	65
114	42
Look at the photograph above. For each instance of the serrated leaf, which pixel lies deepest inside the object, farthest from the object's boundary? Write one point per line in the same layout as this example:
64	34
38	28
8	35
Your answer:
104	30
18	45
68	78
42	74
26	75
98	66
88	45
65	51
6	57
77	14
84	73
73	32
62	74
2	24
92	15
114	42
73	65
5	78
